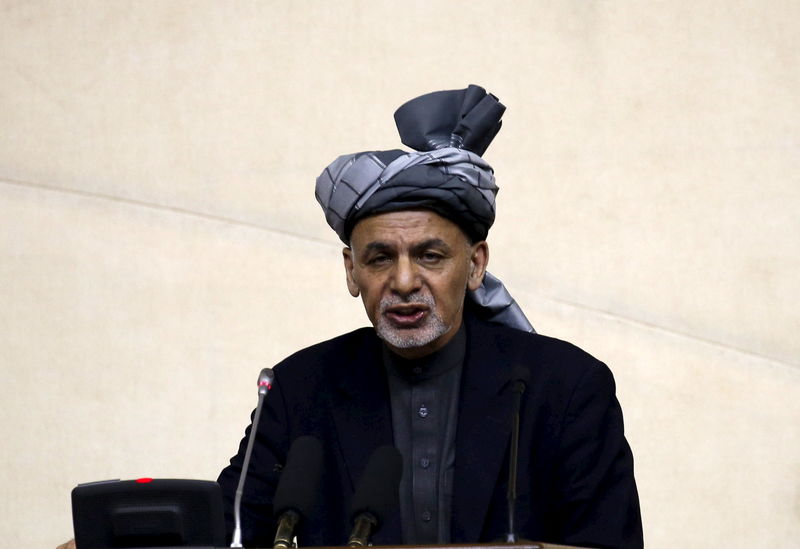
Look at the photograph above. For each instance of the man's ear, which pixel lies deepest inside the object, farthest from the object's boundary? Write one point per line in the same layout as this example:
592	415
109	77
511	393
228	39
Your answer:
478	260
347	256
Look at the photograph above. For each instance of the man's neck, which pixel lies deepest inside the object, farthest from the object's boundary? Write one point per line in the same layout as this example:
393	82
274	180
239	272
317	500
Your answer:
430	364
415	353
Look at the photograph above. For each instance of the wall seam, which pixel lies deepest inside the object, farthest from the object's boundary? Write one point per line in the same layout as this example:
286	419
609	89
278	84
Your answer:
165	208
611	316
231	221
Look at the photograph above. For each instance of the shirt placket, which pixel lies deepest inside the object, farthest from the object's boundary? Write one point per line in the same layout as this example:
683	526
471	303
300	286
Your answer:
425	414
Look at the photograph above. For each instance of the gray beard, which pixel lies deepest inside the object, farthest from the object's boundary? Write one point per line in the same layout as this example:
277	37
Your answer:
433	327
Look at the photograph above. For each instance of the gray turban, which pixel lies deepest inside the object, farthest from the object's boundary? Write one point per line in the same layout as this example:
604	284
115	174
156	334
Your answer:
449	131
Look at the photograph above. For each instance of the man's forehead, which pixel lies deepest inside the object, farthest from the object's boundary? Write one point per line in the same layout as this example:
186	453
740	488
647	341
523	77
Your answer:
405	226
416	245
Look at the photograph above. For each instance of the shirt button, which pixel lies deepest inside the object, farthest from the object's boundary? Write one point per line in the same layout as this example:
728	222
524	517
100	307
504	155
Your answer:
423	411
426	516
424	463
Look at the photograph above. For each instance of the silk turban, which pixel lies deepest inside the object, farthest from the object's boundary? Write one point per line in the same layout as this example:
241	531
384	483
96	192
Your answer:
449	131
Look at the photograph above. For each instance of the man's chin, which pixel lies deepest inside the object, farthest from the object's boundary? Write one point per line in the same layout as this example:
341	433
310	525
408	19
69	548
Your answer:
411	341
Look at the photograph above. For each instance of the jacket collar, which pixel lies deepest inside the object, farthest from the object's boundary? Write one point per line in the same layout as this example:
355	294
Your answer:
484	428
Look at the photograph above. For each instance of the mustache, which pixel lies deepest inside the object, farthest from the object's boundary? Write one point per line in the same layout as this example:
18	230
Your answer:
417	298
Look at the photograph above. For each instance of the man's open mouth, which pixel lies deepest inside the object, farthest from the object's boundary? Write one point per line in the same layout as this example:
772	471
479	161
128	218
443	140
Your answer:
406	316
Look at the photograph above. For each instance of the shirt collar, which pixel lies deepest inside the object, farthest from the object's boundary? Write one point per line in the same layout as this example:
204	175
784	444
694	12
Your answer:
432	365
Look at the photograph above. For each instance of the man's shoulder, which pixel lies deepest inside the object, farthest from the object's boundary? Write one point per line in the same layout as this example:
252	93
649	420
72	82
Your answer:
505	337
537	352
555	370
341	349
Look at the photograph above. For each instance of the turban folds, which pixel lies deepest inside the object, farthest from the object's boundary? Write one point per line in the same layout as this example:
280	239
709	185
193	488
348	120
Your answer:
449	130
455	183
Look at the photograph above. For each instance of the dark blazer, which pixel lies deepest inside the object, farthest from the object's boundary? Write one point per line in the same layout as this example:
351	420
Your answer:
575	479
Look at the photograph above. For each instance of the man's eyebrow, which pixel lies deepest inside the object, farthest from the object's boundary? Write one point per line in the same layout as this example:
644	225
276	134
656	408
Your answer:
431	243
377	246
381	246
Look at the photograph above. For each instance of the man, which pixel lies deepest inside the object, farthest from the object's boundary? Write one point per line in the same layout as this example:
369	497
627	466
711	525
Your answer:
434	374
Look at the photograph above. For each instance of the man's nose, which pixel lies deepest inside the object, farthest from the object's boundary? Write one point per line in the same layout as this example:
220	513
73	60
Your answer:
405	277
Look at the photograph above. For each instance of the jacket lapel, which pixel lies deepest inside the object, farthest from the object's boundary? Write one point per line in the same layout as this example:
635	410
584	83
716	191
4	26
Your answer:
361	411
484	428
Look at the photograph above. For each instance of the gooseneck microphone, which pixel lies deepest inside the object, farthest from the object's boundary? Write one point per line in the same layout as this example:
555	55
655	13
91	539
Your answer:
297	489
377	494
265	379
520	378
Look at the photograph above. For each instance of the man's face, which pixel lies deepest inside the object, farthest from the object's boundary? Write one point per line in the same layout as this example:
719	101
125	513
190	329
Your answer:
412	269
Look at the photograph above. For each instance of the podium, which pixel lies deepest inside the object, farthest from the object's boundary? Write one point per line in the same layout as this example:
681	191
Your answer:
527	545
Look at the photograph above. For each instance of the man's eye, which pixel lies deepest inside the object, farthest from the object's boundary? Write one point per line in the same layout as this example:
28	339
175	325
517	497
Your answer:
378	260
432	257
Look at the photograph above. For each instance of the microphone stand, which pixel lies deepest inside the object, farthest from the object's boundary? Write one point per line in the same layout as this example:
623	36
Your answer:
265	379
513	458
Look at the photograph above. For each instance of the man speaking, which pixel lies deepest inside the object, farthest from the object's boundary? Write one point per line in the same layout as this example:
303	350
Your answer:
435	374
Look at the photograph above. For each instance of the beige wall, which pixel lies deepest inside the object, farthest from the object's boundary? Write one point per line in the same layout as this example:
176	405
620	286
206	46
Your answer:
159	241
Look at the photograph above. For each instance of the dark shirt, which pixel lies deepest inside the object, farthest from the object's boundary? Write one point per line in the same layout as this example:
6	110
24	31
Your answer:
424	402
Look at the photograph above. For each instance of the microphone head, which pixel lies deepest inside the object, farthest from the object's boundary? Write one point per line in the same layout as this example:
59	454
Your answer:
265	379
520	377
378	489
299	483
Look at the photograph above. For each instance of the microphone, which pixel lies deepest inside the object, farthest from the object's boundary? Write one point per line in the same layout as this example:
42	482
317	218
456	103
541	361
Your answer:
520	377
377	494
265	379
297	489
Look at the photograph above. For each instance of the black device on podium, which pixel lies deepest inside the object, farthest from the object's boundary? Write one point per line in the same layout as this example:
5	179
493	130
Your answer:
148	513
